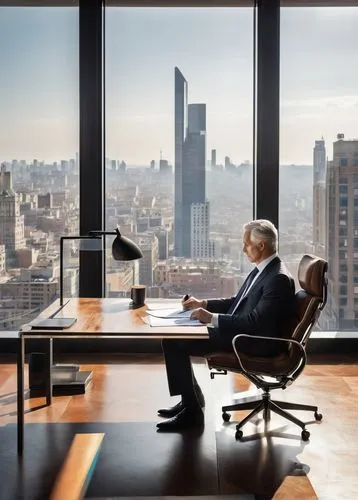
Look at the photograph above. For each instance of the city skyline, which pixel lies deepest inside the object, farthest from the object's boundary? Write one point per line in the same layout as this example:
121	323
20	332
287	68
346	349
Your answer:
142	203
39	98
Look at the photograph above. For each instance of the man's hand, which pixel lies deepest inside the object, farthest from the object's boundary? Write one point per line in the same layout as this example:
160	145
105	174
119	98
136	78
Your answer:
193	303
202	315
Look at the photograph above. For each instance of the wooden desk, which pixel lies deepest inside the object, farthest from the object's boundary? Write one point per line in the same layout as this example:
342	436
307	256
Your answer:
96	318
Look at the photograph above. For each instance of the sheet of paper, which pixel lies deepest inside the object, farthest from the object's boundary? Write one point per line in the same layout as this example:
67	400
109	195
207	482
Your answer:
168	322
171	313
160	307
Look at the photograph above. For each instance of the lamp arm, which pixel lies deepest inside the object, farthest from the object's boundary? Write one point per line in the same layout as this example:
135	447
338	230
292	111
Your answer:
103	233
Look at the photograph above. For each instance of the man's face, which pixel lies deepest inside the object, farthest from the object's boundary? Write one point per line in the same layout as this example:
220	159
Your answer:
252	250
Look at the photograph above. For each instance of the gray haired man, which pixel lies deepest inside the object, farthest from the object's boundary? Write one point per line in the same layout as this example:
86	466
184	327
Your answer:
259	308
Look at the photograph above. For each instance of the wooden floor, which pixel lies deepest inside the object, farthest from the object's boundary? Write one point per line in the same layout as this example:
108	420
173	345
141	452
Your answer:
129	389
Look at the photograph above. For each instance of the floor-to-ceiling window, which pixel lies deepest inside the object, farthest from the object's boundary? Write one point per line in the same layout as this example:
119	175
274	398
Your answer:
319	150
39	144
178	88
179	145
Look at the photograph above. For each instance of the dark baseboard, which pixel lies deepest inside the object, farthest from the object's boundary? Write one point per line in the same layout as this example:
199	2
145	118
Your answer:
325	344
95	346
318	345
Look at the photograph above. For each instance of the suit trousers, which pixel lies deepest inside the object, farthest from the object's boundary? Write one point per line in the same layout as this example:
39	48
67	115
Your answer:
177	354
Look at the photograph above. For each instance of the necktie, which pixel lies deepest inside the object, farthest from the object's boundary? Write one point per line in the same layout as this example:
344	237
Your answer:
245	287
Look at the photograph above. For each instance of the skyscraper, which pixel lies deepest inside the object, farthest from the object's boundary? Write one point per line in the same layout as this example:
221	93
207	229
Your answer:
190	160
342	233
201	246
319	197
180	134
319	161
213	158
11	221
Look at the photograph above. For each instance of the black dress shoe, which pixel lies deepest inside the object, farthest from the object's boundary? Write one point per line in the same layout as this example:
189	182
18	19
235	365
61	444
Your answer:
171	411
174	410
185	419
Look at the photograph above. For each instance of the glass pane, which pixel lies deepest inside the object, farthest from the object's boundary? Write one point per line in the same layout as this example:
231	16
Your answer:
39	164
179	121
72	251
319	149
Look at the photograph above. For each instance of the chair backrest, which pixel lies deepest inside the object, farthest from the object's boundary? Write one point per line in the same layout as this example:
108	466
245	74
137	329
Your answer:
311	299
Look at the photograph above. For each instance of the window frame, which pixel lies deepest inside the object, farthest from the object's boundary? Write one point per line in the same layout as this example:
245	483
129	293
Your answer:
92	139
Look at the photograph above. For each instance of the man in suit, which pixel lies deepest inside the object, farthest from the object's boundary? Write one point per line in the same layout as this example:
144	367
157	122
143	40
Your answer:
260	307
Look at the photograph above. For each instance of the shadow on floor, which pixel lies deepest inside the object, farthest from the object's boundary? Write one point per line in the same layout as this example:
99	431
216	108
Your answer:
135	460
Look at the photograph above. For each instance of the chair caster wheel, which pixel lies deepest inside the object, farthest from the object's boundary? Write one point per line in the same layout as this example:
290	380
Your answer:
318	416
226	416
305	435
238	435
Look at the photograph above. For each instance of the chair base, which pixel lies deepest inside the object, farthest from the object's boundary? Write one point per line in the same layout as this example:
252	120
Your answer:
266	405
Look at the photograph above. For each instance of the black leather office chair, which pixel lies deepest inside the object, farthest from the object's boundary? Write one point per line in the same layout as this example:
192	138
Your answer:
280	371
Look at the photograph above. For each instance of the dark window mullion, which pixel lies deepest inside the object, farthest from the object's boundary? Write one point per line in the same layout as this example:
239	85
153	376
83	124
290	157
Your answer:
268	110
91	142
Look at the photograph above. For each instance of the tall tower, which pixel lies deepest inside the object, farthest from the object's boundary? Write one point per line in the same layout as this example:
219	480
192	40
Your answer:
213	158
190	160
180	134
319	161
11	222
319	197
342	233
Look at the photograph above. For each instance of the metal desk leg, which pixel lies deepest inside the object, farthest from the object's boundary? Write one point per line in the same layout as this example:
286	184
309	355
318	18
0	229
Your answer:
20	395
48	371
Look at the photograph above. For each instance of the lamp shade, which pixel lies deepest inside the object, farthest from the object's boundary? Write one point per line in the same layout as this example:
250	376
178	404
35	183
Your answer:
125	249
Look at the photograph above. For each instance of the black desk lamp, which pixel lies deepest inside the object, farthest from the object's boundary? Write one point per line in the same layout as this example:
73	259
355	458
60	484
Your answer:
122	249
67	379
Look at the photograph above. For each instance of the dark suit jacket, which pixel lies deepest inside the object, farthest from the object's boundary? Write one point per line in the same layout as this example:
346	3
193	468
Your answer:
264	311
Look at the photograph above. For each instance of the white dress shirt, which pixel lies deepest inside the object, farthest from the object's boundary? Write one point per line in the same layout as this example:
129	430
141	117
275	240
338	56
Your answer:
261	266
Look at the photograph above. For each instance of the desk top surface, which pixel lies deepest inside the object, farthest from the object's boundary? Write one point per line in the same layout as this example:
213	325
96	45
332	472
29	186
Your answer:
104	317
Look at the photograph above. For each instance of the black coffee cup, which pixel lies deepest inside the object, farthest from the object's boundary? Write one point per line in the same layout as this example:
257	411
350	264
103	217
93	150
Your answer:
138	295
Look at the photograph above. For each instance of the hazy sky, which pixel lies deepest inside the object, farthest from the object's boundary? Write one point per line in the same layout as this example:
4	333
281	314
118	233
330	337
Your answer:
212	48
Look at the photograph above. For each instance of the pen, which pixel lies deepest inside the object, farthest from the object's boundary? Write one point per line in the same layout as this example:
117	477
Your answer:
186	297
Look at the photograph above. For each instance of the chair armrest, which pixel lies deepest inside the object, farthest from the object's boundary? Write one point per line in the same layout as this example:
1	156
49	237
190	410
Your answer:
255	338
